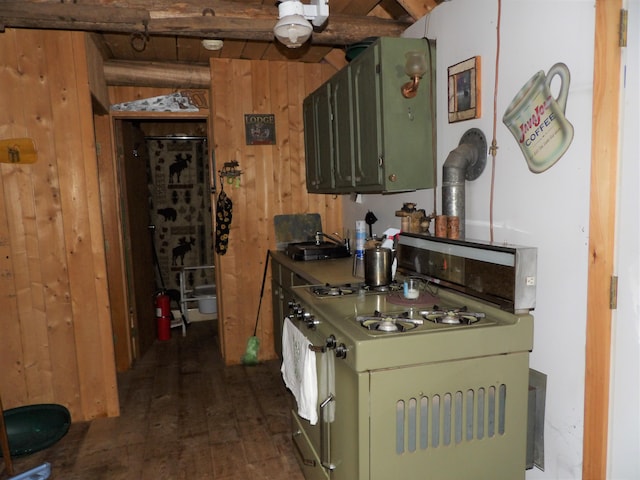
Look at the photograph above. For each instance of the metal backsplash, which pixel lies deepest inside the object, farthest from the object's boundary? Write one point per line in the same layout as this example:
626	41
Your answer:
504	275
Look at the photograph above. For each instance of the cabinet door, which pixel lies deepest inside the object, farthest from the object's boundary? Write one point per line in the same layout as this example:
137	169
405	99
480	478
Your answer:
310	143
407	138
367	120
277	301
318	141
343	141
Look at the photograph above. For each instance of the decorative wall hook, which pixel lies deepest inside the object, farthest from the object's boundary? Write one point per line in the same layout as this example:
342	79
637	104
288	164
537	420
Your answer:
231	172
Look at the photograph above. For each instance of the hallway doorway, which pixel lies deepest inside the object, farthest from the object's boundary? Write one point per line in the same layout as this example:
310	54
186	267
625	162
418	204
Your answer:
166	218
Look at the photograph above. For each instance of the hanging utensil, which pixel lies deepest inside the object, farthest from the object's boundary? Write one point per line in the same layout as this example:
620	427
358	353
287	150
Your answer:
370	219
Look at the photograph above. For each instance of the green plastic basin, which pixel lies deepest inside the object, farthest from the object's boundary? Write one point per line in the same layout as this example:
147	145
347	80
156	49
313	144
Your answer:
35	427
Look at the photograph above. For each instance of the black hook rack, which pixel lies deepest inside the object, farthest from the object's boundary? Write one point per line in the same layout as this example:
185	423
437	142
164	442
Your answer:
230	170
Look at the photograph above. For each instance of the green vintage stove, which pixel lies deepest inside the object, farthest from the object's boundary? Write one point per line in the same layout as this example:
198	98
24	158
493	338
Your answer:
433	387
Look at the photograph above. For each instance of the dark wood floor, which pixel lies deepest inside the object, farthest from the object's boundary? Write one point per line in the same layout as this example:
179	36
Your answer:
184	415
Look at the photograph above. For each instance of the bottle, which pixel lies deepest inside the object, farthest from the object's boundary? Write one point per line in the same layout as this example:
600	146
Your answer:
358	258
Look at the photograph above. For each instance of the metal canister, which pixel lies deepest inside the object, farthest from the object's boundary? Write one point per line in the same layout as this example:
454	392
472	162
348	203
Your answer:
453	227
441	226
377	266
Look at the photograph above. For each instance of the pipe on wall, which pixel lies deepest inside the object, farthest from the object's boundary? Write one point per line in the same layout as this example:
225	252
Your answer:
465	162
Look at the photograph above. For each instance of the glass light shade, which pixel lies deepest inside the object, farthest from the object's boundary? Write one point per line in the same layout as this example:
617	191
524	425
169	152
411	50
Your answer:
416	65
293	30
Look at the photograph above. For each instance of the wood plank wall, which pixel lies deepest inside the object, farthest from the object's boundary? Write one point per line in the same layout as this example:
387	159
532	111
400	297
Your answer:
56	343
272	183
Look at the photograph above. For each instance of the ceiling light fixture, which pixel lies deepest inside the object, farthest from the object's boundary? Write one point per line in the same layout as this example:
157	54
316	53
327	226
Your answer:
293	27
213	44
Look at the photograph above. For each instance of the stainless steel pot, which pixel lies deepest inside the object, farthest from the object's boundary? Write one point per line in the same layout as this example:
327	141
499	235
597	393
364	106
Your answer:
377	266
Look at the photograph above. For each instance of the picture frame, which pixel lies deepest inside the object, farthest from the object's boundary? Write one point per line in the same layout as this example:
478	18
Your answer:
260	128
464	90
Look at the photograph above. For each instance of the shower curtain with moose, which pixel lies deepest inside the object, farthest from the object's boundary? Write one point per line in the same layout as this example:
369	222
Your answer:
181	208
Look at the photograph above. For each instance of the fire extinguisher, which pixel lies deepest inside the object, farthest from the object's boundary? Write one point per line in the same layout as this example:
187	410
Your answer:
163	315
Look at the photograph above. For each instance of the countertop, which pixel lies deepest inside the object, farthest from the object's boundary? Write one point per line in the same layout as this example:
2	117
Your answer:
334	271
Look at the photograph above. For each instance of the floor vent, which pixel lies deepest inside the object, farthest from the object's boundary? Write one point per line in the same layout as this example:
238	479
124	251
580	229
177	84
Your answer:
449	419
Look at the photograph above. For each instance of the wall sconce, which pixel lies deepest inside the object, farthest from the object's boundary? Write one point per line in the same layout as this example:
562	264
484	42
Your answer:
293	27
415	67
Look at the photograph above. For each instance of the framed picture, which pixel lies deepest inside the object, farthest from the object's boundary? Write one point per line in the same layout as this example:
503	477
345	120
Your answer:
260	128
464	90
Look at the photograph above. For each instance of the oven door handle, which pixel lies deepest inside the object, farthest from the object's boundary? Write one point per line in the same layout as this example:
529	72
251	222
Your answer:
325	434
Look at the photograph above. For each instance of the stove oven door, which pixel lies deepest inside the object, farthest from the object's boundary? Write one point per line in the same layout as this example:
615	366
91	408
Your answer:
327	450
312	442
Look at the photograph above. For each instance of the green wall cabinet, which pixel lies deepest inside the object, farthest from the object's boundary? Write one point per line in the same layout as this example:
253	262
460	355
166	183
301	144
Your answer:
362	135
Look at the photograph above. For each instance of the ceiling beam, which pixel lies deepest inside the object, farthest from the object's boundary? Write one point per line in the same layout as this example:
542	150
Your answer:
419	8
243	21
164	74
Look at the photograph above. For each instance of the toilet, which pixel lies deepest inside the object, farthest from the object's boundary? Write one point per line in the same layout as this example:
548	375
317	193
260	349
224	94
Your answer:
207	299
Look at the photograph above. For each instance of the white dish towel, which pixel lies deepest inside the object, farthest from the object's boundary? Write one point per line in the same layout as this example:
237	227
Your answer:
299	371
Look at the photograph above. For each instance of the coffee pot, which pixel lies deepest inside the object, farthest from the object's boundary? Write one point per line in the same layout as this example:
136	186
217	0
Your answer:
377	266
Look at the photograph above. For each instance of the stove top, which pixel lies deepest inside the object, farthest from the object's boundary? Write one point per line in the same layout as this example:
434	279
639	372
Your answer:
379	333
380	329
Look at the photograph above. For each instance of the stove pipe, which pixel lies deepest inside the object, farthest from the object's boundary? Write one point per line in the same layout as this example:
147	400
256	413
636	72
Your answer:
466	162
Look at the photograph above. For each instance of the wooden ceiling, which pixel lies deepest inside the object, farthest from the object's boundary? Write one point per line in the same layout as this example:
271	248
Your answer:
165	31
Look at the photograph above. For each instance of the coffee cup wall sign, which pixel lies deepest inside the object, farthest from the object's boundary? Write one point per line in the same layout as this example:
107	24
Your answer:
537	119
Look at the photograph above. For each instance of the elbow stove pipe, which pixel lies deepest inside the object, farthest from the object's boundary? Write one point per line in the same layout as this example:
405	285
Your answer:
465	162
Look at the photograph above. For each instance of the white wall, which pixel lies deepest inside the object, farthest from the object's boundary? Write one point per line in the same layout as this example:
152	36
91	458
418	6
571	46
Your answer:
549	210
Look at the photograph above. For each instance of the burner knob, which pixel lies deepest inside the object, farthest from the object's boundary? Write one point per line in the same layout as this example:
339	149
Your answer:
331	342
341	351
310	320
295	308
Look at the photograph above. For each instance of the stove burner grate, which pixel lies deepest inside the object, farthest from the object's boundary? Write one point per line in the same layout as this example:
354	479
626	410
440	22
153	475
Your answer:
394	286
335	290
452	316
332	290
388	323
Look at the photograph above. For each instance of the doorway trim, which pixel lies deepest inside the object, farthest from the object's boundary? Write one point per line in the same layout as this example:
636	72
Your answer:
604	179
124	347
